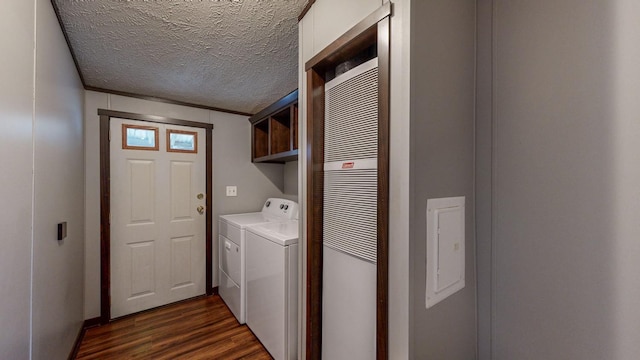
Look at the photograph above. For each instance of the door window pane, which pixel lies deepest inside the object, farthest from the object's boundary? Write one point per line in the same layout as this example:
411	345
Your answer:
139	137
182	141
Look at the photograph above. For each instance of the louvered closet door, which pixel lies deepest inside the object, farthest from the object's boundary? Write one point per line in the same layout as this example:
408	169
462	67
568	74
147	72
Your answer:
350	214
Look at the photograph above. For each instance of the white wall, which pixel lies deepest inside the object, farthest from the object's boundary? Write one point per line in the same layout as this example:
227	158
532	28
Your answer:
42	150
231	166
329	19
16	156
564	154
325	22
400	275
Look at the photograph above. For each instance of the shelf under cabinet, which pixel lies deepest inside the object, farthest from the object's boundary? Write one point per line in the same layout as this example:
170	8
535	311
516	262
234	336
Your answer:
282	157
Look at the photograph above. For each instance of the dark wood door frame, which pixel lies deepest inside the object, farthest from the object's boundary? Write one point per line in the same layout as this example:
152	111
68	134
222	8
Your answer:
374	29
105	200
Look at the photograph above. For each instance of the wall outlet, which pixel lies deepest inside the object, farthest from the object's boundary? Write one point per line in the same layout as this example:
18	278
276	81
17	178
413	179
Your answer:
232	191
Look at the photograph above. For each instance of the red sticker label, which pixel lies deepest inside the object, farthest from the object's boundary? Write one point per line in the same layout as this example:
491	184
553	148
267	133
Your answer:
348	165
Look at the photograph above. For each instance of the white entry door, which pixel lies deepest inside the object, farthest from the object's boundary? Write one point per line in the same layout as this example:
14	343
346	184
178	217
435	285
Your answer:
157	214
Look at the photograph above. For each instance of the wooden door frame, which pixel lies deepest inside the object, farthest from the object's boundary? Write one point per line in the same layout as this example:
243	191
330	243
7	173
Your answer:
374	29
105	199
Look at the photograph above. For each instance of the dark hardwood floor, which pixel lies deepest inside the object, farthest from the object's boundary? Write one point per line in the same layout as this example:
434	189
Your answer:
202	328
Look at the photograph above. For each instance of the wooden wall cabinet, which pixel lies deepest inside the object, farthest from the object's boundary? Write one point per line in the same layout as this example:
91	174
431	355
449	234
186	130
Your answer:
274	131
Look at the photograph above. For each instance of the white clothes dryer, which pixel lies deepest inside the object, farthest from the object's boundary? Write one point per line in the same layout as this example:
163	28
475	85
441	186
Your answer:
272	287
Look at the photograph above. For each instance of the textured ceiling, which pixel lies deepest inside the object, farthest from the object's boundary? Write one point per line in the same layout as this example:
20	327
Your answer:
238	55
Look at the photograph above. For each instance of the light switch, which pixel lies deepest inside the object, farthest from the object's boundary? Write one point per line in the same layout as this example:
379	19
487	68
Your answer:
445	248
232	191
62	230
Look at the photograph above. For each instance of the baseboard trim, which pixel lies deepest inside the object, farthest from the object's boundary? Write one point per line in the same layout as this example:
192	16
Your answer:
89	323
76	345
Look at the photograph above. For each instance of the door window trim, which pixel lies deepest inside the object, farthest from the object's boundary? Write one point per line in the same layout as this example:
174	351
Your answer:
125	137
183	132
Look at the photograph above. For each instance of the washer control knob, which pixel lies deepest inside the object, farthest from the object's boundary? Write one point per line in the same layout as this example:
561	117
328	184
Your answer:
281	206
286	207
267	204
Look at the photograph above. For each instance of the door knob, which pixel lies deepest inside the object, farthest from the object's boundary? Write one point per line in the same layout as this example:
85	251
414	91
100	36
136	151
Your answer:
200	196
200	209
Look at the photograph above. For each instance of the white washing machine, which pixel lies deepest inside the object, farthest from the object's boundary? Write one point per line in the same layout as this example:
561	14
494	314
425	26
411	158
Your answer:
272	287
231	253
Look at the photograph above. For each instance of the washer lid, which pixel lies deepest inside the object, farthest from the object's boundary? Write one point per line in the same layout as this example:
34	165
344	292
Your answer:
274	209
282	233
248	219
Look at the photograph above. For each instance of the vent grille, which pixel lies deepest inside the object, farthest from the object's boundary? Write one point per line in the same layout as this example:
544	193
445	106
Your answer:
351	118
350	212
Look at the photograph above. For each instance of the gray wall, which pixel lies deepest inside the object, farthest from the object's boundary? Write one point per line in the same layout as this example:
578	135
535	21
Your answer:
231	166
58	266
41	149
562	242
442	165
16	156
483	175
291	180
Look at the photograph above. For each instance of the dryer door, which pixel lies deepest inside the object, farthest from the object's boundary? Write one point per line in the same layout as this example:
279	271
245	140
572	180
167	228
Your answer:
230	260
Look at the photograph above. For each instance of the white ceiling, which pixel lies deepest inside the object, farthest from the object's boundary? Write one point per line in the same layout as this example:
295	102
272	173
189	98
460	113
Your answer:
239	55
